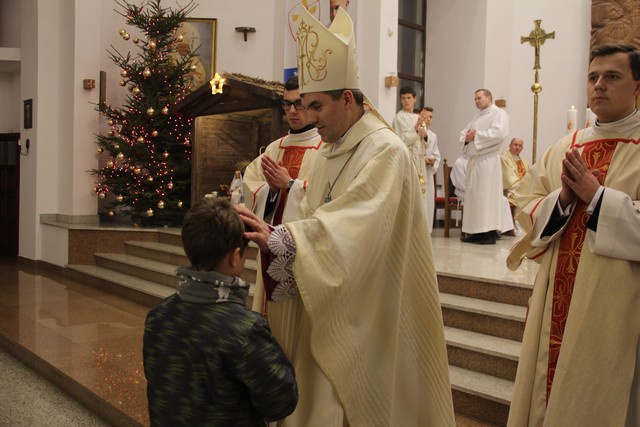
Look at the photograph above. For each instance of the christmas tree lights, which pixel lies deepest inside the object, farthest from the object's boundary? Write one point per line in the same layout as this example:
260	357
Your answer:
148	168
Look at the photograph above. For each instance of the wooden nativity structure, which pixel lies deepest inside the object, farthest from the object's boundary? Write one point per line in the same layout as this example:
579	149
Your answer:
230	128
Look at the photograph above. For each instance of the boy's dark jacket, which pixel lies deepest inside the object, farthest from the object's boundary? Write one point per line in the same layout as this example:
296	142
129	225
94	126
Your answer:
210	361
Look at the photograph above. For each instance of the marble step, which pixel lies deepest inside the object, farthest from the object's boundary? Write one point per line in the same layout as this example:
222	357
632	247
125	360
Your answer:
164	252
172	236
144	268
120	284
156	271
480	396
482	353
511	293
484	317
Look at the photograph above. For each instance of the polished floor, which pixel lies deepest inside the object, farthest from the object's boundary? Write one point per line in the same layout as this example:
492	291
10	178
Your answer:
91	340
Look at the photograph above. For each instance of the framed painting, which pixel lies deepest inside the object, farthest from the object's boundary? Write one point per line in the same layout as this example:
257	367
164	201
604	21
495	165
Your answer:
199	37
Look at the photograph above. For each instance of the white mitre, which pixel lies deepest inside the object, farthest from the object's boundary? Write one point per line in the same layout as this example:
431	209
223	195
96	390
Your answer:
327	57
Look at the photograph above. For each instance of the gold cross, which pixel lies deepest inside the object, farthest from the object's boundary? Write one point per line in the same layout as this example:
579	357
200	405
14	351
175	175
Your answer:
536	38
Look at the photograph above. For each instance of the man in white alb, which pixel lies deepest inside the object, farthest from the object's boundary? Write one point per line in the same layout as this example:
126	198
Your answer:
482	141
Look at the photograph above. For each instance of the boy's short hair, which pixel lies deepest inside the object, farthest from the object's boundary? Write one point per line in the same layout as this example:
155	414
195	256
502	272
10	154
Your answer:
407	89
210	230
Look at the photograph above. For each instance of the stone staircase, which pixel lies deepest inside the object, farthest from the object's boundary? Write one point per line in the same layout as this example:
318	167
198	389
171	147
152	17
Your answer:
484	321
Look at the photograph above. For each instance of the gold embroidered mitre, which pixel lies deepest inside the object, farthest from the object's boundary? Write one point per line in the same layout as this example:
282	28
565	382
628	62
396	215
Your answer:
327	58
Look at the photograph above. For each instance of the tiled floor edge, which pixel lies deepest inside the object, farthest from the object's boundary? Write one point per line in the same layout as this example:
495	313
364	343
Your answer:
67	384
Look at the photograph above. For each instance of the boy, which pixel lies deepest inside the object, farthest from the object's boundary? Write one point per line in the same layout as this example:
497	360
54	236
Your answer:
207	359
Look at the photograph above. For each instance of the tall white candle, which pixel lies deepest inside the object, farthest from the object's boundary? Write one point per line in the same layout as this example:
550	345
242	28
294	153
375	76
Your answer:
572	118
590	118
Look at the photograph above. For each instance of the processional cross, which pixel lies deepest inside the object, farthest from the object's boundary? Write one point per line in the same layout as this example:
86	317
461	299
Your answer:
536	38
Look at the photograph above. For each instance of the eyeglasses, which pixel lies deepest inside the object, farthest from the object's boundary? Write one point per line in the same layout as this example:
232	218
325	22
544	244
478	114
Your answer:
286	105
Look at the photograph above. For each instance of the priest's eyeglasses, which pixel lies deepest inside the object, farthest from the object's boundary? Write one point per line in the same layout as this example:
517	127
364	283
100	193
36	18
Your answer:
286	105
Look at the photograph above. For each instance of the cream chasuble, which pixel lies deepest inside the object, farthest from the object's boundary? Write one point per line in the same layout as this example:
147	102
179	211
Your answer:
366	335
580	347
513	170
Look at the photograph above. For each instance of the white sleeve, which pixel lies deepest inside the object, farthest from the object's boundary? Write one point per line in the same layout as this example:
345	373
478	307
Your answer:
618	231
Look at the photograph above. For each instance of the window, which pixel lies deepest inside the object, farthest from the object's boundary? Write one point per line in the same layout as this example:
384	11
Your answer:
412	18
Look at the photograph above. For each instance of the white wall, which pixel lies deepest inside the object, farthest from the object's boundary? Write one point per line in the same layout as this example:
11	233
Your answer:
10	107
475	44
455	66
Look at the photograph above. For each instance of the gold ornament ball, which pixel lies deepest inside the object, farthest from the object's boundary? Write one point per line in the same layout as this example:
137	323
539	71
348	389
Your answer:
137	171
179	203
150	111
149	212
146	72
165	110
119	198
150	178
120	156
124	73
109	164
154	133
136	90
111	133
122	32
160	204
179	38
136	40
170	185
111	214
102	195
116	146
152	44
122	83
140	139
536	88
165	154
130	88
94	189
110	122
99	150
126	36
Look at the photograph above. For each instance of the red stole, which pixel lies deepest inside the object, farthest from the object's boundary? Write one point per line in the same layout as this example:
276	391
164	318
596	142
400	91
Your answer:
597	155
291	159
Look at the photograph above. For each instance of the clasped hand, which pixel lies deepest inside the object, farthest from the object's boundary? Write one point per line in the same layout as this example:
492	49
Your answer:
578	182
276	174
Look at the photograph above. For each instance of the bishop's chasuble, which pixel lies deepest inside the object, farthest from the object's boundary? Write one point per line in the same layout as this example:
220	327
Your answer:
580	347
365	335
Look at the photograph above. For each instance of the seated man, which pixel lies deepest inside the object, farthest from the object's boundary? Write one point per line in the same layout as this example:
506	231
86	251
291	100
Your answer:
514	167
459	177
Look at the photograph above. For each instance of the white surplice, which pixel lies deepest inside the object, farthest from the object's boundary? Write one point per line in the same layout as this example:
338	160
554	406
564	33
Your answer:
483	194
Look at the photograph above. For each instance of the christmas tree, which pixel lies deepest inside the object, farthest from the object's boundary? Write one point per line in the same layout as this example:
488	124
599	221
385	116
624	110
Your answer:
148	172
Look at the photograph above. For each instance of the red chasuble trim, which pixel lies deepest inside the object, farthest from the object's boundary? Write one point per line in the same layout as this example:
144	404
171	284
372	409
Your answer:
597	155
